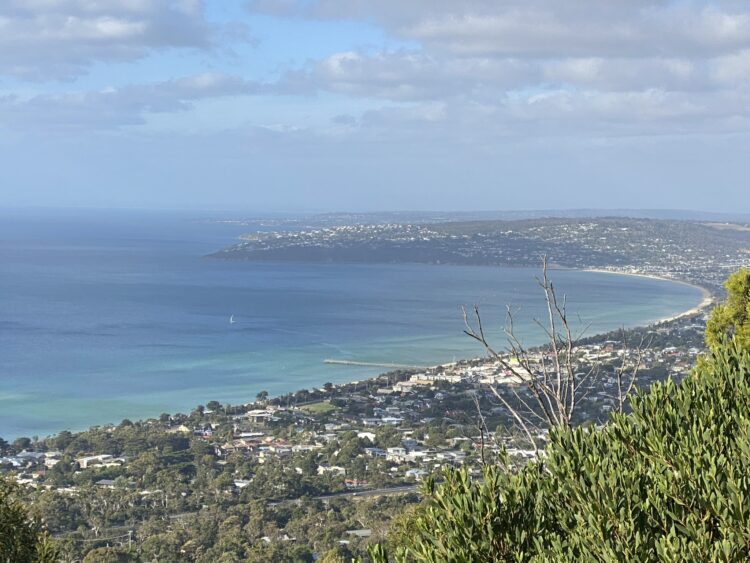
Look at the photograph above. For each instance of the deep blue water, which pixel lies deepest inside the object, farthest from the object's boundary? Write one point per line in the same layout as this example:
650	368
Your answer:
106	315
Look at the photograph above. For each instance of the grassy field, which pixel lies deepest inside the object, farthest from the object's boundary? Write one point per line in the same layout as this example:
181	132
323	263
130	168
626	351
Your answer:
319	408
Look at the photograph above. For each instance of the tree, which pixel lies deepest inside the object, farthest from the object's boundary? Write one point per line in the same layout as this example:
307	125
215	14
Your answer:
21	443
336	555
262	396
22	538
308	463
388	437
108	555
731	320
62	440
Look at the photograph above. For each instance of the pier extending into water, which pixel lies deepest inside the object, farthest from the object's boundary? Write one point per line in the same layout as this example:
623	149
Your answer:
372	364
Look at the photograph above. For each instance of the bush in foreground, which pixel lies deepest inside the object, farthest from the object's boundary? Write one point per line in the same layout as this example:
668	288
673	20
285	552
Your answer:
22	539
669	482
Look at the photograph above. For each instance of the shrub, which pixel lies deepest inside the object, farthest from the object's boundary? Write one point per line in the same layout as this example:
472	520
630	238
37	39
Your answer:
22	539
670	481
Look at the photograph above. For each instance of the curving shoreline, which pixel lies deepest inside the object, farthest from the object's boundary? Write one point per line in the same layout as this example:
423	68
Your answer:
350	377
708	296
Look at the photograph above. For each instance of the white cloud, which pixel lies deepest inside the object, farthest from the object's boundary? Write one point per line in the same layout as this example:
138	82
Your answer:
536	67
111	108
475	70
407	75
545	27
60	39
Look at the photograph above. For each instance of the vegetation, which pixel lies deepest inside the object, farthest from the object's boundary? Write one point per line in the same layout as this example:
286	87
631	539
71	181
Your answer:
321	407
731	319
22	538
667	482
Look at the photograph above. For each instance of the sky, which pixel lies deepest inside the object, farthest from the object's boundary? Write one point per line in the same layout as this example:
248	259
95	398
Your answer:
354	105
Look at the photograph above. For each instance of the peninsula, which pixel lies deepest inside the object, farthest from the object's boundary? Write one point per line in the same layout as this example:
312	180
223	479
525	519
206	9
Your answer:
697	252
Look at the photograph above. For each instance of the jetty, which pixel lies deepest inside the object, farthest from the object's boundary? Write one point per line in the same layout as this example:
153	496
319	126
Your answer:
372	364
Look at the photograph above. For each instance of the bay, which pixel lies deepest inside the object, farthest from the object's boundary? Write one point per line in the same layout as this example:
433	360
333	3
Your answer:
108	315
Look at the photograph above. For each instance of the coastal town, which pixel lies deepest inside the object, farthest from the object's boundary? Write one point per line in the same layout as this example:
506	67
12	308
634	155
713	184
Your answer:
698	252
326	471
363	444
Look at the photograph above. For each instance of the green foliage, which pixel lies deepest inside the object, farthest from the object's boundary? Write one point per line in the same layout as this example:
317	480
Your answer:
668	482
21	537
108	555
731	319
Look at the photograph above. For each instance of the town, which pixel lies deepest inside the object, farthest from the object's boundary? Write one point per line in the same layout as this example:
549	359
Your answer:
702	253
359	449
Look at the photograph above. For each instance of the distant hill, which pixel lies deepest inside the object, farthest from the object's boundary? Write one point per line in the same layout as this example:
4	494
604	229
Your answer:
440	216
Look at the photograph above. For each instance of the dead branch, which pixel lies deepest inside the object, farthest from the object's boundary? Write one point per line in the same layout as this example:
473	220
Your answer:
551	373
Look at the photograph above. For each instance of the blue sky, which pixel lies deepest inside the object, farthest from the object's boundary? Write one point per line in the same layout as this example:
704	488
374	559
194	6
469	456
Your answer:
313	105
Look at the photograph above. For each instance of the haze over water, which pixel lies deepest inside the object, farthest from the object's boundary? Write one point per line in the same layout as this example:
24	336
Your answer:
108	315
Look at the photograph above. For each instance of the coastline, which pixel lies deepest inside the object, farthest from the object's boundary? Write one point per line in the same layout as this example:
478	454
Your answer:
708	296
708	299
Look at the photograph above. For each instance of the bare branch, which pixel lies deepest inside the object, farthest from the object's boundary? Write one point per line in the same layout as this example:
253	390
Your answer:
521	422
554	378
482	426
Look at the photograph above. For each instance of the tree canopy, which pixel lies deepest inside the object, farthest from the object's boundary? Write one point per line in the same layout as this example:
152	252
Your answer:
731	320
22	539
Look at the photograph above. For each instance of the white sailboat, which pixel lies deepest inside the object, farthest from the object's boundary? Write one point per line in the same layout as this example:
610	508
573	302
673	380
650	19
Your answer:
231	320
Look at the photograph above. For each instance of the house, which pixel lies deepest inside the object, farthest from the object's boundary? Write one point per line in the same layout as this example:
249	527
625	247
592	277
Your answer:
453	457
397	454
52	458
31	457
259	416
205	432
12	460
248	435
526	454
404	386
417	455
23	459
416	474
371	422
240	445
89	461
331	470
392	420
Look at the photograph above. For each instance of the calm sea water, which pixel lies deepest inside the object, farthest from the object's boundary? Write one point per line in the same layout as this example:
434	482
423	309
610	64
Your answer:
111	315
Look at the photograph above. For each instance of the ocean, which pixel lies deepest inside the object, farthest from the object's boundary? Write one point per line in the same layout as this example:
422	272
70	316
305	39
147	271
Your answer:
108	315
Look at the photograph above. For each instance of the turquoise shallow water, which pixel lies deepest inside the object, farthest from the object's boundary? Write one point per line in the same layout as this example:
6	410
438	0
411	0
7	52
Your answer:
106	316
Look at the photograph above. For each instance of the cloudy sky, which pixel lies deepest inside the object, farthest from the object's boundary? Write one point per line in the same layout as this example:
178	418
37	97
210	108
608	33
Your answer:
272	105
